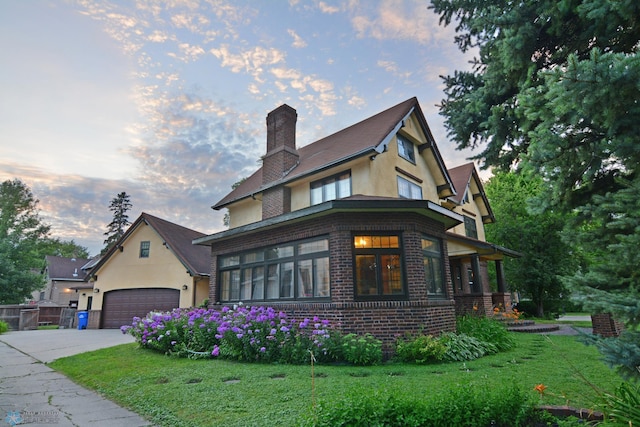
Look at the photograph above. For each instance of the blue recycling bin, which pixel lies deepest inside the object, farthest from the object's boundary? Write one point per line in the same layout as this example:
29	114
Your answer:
83	319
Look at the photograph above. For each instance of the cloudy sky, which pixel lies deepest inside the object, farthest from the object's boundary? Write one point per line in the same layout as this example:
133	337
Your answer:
167	100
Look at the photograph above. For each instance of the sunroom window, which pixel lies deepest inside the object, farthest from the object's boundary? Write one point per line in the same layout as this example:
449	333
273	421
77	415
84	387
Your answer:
378	267
293	271
433	267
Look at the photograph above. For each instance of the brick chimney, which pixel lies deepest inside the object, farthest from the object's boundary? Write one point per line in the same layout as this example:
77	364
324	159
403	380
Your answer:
280	159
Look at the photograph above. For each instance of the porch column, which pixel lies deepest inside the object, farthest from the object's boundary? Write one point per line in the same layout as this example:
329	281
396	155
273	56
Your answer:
477	279
502	286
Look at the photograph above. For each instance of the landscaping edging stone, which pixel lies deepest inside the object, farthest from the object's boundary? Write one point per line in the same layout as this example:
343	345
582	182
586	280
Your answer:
568	411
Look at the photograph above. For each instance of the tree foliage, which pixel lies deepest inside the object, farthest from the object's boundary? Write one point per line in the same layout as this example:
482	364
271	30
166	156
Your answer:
21	229
119	206
24	242
555	90
536	235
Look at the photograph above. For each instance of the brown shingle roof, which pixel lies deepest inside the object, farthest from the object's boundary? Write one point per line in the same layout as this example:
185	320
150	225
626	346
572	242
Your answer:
363	138
62	268
460	176
177	238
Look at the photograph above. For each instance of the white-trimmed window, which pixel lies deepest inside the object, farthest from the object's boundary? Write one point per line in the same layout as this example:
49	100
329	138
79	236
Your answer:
408	189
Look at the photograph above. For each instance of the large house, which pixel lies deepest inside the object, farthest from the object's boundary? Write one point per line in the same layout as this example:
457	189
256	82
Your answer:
153	267
366	227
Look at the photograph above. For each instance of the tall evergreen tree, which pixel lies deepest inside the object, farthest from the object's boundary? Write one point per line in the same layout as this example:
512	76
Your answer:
119	206
555	89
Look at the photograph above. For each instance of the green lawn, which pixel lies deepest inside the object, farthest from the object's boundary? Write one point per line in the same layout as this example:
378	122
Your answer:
182	392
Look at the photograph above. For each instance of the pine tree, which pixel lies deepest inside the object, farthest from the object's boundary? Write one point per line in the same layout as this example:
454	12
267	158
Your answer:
119	206
555	90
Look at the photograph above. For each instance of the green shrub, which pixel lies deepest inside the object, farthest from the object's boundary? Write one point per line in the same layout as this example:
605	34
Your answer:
462	347
361	350
420	349
4	327
462	405
486	330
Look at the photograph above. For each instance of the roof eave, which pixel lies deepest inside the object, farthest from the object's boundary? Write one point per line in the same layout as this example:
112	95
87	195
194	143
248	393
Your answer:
424	207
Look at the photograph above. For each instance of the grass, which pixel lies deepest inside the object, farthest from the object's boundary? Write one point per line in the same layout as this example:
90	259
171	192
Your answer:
183	392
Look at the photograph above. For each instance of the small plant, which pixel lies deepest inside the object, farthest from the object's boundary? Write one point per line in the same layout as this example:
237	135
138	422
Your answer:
462	347
622	408
361	350
486	330
420	349
4	327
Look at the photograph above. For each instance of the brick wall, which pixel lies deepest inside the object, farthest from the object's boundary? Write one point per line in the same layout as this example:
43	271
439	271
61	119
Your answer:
605	325
384	319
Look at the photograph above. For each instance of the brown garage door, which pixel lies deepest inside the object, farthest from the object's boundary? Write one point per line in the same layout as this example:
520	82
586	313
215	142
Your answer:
119	307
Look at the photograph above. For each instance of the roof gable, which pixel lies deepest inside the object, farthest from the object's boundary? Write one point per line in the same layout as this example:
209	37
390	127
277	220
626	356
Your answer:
367	137
469	187
176	238
62	268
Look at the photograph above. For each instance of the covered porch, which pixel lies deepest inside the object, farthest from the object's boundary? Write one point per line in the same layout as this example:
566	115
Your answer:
475	289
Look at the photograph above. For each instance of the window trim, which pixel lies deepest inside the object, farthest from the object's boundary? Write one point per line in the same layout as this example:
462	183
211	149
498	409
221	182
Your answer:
411	186
145	250
405	142
278	265
379	252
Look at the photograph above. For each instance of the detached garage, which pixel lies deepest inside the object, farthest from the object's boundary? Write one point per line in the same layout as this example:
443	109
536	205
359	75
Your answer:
153	267
119	307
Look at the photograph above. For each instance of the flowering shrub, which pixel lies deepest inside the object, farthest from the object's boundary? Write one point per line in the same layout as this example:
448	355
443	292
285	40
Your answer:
256	334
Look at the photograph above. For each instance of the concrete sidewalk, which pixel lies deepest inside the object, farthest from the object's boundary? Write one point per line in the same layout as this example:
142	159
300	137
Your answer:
32	393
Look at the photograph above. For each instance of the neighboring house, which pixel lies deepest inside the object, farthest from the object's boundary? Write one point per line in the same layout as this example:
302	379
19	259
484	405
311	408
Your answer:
154	266
63	276
355	227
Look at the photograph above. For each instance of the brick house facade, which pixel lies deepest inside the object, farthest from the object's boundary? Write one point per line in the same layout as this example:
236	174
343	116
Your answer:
353	228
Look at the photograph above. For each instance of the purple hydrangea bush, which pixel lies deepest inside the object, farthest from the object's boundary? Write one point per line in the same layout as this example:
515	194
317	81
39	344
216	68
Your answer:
243	333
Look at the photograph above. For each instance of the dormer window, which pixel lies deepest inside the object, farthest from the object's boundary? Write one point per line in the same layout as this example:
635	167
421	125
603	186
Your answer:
331	188
406	149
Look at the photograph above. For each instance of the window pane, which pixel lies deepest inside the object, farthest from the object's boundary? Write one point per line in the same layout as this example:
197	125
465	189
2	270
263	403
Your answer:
366	283
228	261
316	195
344	186
225	285
253	257
330	189
281	252
305	278
391	274
416	192
286	284
273	281
245	289
405	148
258	283
235	285
430	245
403	188
321	277
311	247
144	249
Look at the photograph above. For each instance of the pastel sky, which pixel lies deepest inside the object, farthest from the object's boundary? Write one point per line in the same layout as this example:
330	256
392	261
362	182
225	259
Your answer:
167	100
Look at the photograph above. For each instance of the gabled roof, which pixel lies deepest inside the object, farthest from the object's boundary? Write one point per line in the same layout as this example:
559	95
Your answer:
462	177
62	268
176	238
367	137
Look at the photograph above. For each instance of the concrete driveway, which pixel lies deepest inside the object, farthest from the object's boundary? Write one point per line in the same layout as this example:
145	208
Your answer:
46	345
32	393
